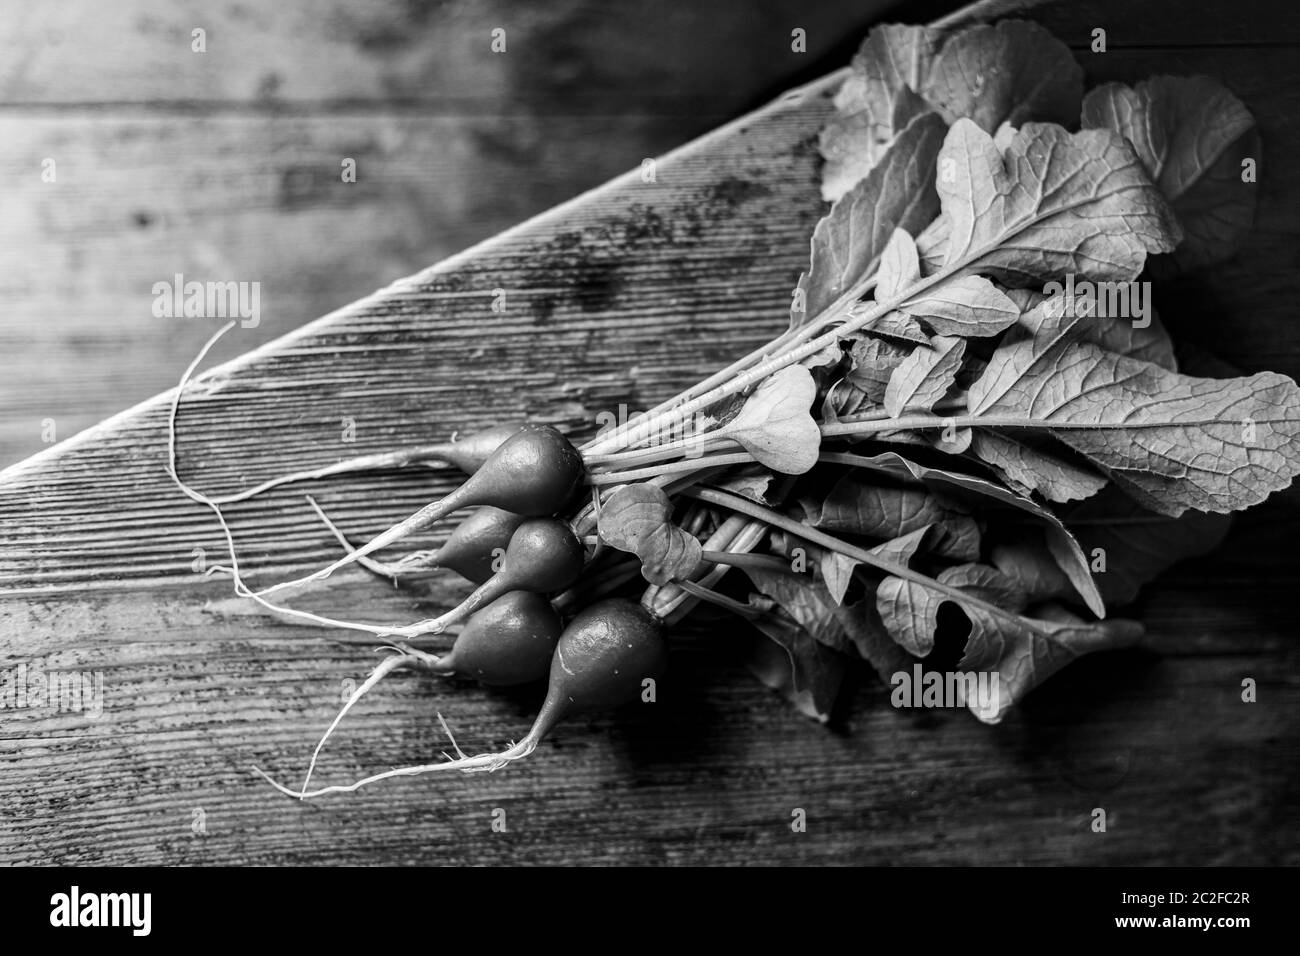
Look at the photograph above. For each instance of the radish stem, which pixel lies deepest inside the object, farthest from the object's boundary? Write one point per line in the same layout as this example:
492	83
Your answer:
672	468
777	520
721	600
724	382
761	562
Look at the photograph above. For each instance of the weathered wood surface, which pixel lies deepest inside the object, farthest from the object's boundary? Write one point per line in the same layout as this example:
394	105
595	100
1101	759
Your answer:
225	165
622	296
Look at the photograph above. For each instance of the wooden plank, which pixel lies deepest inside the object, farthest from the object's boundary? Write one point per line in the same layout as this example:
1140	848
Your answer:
226	165
599	57
623	296
138	200
1187	773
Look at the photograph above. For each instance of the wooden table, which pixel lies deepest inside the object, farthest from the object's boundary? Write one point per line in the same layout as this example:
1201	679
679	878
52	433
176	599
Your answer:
622	296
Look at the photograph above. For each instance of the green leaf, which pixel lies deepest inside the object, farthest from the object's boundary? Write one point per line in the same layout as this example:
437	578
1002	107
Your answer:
1172	441
1028	562
775	424
749	482
1191	134
910	610
1056	204
1014	71
873	361
1032	464
1010	72
638	519
837	569
1149	342
1136	544
894	324
1024	652
925	376
964	305
910	613
875	103
854	506
899	267
975	493
847	244
806	673
867	632
807	602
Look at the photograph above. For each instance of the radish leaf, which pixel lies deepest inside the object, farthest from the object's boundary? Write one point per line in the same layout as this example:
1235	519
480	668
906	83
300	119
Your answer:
1172	441
805	672
1031	464
976	492
854	506
877	101
837	569
1013	72
911	610
1010	72
965	305
847	244
1137	544
1191	134
1025	652
1057	203
775	424
1028	562
925	376
1149	342
638	519
807	601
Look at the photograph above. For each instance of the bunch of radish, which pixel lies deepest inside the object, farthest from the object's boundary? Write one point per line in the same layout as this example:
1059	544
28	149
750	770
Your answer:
931	429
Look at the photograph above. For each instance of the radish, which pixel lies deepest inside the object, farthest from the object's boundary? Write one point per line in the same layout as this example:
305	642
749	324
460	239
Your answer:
468	455
543	555
602	659
509	642
506	643
533	473
471	551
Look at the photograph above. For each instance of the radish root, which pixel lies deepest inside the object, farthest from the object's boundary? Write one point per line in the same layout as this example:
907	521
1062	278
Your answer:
479	763
402	656
417	563
241	589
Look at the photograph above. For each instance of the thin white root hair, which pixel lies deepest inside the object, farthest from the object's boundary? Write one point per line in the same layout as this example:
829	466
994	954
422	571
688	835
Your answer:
407	566
480	763
381	670
447	730
241	588
408	525
361	463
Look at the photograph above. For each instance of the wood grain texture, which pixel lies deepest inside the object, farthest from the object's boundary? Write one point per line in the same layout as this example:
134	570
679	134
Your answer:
226	165
622	296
